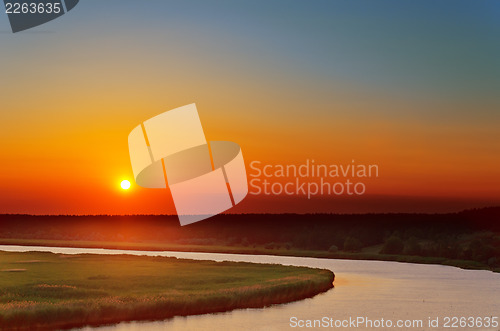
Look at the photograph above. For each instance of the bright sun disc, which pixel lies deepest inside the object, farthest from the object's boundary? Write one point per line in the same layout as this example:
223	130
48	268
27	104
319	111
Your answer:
125	184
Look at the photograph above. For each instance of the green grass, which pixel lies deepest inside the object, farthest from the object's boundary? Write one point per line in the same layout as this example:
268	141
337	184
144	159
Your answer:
46	290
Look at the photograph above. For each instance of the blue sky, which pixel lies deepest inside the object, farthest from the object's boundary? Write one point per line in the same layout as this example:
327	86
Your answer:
442	48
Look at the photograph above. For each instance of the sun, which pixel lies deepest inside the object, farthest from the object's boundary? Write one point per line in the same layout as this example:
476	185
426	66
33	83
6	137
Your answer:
125	184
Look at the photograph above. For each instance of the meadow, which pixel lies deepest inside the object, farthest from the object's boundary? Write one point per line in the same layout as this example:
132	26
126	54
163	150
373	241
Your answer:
41	290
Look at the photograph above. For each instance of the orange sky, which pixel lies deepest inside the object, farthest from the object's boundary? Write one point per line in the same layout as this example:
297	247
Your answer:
74	163
66	122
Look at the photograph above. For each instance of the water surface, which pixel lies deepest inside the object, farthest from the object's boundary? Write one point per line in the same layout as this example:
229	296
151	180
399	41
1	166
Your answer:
370	289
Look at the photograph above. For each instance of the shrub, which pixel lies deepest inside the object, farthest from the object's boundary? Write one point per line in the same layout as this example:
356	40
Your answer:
393	245
352	244
412	247
480	250
493	262
333	249
270	245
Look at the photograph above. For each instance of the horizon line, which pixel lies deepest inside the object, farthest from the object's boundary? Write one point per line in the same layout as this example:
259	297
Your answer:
256	213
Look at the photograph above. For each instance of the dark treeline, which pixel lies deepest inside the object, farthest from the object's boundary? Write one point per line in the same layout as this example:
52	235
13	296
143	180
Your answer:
469	235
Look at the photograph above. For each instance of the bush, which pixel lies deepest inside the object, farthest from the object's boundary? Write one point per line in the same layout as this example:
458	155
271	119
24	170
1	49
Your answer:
493	262
393	245
412	247
333	249
352	244
270	245
480	250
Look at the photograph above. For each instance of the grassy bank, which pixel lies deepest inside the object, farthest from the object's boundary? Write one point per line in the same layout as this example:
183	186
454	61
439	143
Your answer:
370	253
49	291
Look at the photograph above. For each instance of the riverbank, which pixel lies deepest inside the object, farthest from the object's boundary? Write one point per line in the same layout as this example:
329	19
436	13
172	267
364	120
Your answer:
368	254
40	290
468	239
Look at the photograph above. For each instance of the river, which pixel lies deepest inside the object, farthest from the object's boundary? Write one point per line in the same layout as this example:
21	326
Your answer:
374	290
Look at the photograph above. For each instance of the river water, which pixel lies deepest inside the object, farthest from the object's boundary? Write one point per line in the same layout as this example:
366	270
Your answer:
396	292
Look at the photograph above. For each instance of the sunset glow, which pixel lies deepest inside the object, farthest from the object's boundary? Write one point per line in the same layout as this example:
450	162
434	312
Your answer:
428	123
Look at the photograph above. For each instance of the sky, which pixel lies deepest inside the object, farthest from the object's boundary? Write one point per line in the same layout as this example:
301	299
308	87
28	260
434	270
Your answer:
412	86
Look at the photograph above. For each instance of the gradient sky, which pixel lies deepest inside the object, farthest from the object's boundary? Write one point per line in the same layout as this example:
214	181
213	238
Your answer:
413	86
